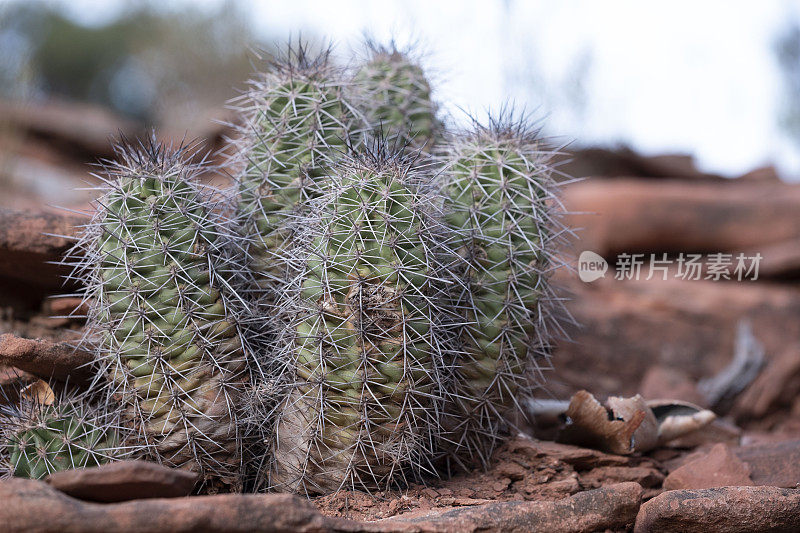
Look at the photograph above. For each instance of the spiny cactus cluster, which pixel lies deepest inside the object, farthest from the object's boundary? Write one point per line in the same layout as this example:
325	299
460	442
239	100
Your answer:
416	308
157	258
41	436
366	303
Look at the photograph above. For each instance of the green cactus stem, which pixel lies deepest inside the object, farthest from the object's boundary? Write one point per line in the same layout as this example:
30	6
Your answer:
297	120
396	97
41	438
156	261
364	336
502	203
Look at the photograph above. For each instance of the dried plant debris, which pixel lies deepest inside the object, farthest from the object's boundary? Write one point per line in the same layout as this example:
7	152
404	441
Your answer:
677	419
629	425
722	389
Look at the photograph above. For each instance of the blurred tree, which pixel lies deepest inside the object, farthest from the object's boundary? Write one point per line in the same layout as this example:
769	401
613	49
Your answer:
150	63
787	49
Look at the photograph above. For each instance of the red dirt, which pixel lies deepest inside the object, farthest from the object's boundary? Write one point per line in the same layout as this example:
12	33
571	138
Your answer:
521	470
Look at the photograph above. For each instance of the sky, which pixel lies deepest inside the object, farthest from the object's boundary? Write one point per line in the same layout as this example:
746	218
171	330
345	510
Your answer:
697	77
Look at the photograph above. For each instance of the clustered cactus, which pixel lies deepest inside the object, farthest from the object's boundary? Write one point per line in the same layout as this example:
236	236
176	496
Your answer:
502	205
368	302
297	119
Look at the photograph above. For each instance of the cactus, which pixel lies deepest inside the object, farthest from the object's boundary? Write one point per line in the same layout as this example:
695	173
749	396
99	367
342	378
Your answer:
397	97
296	120
40	437
365	344
157	260
502	204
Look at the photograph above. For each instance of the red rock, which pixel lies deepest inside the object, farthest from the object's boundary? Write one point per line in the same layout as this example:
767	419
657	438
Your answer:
718	468
632	215
580	458
81	127
44	358
625	162
646	476
776	386
722	510
124	480
10	375
718	431
29	239
66	306
612	507
666	382
765	173
628	327
35	506
775	464
778	260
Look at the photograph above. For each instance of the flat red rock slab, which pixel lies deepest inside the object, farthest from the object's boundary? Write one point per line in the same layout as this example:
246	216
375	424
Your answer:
722	510
612	507
718	468
31	238
44	358
776	464
30	505
123	481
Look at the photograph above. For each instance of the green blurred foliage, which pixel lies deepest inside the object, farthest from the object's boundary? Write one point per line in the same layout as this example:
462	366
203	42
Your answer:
149	63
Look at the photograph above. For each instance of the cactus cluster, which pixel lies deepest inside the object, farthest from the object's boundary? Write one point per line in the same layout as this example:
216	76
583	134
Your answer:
41	436
367	301
157	258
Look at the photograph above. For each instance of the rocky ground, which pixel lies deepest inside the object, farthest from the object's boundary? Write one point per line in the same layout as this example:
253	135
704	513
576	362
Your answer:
728	346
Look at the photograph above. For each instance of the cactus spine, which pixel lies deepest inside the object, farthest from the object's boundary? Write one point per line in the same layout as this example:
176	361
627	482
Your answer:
365	371
42	437
397	97
502	204
156	256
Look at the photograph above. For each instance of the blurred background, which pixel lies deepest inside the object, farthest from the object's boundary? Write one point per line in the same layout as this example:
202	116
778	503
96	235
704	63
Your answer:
716	80
686	115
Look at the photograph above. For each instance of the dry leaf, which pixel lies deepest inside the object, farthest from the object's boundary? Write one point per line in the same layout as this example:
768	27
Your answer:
38	392
677	418
622	426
